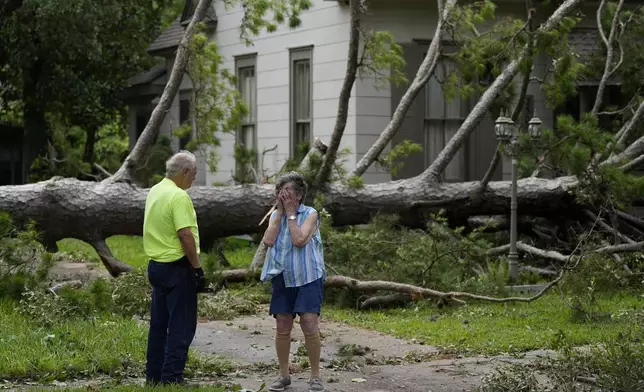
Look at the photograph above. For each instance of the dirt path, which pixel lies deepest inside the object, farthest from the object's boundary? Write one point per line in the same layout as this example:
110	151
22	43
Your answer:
249	341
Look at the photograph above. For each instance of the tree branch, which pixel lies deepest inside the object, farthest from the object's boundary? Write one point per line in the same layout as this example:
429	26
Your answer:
608	228
145	142
632	164
324	173
634	149
414	292
518	108
491	169
425	71
434	171
610	53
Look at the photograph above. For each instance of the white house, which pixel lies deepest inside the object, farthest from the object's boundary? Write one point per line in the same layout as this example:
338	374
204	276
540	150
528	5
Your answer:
291	81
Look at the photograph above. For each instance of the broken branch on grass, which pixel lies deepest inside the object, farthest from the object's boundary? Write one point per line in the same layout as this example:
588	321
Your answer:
339	281
74	284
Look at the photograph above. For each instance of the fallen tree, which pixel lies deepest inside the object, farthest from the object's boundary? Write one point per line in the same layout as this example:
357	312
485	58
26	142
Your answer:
68	208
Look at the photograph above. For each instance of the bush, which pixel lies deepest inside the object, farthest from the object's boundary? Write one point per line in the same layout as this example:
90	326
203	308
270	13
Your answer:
128	296
614	367
23	261
599	274
438	257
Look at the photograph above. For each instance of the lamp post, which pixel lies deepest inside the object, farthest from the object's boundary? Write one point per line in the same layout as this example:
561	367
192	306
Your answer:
506	133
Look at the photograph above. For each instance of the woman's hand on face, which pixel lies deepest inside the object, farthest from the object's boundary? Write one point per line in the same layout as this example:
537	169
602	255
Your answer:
290	202
280	202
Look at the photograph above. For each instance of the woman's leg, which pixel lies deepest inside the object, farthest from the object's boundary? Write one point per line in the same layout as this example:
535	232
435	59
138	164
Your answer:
281	307
309	305
311	331
283	340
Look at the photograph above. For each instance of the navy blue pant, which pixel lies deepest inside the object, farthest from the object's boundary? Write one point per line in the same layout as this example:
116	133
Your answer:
173	319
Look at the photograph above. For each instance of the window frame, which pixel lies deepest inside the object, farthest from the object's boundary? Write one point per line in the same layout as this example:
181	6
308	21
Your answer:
464	107
295	55
241	63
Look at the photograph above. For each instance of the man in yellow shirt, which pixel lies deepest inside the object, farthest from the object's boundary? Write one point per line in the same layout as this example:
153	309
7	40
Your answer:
171	241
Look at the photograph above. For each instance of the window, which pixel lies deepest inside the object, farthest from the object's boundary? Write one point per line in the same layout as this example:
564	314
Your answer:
142	118
443	118
184	116
301	98
247	85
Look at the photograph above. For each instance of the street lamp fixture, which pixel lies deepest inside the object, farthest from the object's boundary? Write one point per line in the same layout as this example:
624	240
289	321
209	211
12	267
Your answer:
506	132
534	126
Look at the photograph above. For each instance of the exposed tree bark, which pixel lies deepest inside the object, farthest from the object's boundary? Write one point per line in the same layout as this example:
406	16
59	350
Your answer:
425	71
609	42
67	208
385	301
434	171
345	95
144	144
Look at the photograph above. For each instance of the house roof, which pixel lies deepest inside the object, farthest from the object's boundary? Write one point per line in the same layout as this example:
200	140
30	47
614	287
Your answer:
170	37
158	70
584	41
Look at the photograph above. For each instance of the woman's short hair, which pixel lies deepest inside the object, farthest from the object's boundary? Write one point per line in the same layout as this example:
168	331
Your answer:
295	178
179	162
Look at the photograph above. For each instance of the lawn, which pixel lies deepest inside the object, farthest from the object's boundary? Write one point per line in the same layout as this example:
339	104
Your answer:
78	348
498	328
477	328
130	249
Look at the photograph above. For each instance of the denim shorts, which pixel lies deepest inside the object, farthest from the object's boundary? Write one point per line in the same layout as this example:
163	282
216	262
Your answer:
296	300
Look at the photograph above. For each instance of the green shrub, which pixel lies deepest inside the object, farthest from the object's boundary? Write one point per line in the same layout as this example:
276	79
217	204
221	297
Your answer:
599	274
438	257
127	296
23	261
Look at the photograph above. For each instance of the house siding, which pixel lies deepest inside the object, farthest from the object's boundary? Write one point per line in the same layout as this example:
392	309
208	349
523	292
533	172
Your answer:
324	28
413	27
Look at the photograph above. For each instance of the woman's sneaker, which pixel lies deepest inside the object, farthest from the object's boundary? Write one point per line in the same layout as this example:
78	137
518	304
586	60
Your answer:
280	384
315	385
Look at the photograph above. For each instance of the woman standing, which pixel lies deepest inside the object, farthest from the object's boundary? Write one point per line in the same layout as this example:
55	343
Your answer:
295	266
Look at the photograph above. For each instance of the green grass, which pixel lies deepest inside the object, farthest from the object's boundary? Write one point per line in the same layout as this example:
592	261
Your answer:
497	328
126	248
130	249
79	348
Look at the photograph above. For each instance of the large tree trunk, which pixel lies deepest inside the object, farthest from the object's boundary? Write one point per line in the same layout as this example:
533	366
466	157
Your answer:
68	208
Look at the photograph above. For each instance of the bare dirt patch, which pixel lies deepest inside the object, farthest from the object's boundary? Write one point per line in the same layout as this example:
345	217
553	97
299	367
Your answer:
386	367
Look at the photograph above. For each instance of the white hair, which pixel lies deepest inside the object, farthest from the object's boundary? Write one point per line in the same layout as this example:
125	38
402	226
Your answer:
179	162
